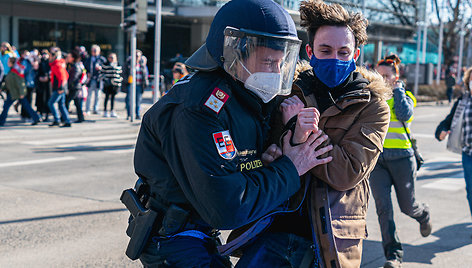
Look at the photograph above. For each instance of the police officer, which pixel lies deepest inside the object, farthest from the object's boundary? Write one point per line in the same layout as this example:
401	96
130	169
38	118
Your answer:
201	147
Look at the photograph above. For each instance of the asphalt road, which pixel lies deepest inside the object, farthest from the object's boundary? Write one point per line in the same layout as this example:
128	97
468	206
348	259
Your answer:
60	188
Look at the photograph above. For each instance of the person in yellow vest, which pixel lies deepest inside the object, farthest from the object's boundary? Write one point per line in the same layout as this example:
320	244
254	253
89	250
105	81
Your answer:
396	167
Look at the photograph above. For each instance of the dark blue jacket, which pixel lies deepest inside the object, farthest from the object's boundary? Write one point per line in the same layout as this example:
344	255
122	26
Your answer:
177	154
91	70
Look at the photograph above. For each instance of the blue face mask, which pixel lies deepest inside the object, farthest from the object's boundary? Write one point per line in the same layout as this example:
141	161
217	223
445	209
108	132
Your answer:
332	72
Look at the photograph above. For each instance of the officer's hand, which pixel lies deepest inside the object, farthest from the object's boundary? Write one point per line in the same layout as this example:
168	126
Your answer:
304	156
272	153
443	135
290	108
307	122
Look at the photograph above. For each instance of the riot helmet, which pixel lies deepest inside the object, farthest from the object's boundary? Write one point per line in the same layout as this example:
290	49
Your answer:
256	42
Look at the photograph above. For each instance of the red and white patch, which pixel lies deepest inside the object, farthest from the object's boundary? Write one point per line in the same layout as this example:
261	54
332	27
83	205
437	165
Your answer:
224	144
216	100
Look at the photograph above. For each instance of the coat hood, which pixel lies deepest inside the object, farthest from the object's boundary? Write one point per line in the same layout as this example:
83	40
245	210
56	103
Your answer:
376	85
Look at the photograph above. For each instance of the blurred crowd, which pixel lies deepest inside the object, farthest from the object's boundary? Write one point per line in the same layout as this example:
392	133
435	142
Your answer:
41	84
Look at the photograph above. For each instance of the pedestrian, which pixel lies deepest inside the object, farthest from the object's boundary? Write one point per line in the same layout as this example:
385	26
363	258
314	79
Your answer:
16	90
58	80
142	82
93	64
43	88
179	71
327	224
200	147
450	83
110	75
464	104
396	167
6	52
2	74
75	83
31	67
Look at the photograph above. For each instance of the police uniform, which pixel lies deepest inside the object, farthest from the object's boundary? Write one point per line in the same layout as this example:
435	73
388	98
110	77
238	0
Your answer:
199	148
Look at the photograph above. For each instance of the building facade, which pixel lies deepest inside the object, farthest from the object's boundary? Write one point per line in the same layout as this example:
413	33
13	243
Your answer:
29	24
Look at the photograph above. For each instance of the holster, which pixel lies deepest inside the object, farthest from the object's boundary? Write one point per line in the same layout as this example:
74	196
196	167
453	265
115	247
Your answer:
149	214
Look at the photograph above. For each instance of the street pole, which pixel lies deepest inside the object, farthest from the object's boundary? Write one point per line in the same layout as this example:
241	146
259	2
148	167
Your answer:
361	59
132	101
425	41
417	67
157	51
438	76
461	48
469	50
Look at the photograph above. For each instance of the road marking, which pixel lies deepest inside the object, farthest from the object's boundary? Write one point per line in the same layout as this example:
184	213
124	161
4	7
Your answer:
80	139
420	135
34	162
447	184
120	151
423	116
99	143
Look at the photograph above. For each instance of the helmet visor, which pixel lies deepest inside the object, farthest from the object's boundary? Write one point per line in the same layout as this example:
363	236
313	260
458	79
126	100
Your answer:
247	53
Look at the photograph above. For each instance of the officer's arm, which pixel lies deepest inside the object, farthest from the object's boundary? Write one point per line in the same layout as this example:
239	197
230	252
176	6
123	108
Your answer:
356	153
223	196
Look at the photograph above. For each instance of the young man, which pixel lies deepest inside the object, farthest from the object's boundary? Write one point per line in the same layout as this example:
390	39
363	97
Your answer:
200	148
329	225
59	77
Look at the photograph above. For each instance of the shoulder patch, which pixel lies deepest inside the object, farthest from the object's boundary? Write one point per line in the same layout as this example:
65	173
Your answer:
224	144
184	79
216	100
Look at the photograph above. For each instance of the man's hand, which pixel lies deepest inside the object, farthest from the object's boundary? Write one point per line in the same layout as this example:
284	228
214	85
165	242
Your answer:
290	108
443	135
272	153
60	91
307	122
304	156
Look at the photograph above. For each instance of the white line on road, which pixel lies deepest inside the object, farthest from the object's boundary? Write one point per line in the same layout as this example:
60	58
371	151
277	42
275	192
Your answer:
99	143
80	139
34	162
448	184
420	135
120	151
423	116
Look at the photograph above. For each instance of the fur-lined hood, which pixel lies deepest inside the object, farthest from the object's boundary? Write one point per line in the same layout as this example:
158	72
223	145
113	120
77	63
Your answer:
376	86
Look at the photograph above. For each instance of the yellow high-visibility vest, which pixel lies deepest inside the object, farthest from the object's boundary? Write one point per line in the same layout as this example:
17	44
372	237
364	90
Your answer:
396	135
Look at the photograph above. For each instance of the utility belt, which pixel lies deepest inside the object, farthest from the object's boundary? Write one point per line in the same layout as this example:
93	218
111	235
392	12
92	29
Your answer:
151	216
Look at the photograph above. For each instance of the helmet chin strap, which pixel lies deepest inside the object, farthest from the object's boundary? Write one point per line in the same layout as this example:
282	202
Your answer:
244	67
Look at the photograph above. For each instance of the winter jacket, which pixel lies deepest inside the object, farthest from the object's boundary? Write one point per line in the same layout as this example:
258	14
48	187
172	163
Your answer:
110	74
76	78
337	193
15	85
92	72
59	74
30	73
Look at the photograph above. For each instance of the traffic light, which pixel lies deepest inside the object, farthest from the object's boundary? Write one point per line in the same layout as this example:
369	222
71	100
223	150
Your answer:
141	14
128	14
134	13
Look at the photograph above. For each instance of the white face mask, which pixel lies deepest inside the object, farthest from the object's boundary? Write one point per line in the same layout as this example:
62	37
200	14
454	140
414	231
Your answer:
265	85
470	85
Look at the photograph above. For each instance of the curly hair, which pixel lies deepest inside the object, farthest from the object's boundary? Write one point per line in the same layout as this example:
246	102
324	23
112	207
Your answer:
316	13
466	79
